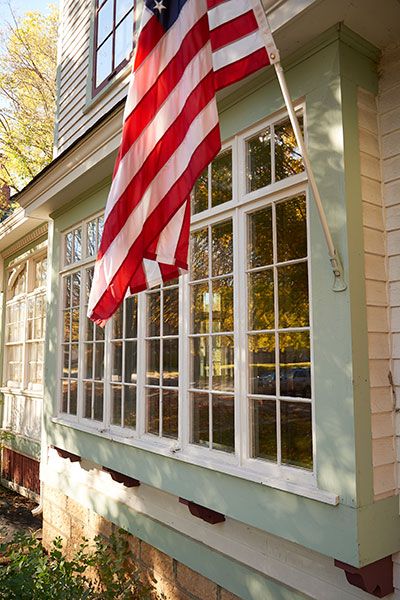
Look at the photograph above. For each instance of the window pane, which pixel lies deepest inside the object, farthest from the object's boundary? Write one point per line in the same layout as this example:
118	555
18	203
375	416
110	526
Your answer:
73	395
223	363
131	317
200	363
98	402
170	413
67	291
64	392
68	247
153	362
117	324
222	305
200	307
262	364
89	361
221	178
288	159
104	61
116	408
77	244
67	326
74	361
75	324
65	361
91	238
223	423
170	362
264	444
105	21
260	238
171	312
153	411
296	434
130	362
294	351
222	248
199	254
200	193
261	300
200	419
122	7
116	349
123	40
153	314
130	406
99	361
293	295
87	399
291	229
258	150
76	289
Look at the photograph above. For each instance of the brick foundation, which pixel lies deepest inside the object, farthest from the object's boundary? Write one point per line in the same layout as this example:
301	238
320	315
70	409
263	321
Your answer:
64	517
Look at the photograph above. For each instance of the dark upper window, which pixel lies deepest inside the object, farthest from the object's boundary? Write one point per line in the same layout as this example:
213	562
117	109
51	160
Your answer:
113	41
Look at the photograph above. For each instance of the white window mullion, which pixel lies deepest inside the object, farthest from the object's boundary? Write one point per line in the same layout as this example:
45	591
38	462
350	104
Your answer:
184	410
141	367
107	376
81	345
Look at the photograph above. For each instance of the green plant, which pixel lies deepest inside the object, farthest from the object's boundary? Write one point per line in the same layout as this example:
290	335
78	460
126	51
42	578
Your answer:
105	572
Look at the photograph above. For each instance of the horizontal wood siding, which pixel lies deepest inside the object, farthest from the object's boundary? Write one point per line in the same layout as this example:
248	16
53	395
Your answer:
389	126
76	112
383	440
21	470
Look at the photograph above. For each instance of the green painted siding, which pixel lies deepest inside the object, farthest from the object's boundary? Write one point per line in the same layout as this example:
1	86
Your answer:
326	79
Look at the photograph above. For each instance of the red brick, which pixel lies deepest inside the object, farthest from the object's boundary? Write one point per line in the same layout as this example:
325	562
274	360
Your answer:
196	584
161	563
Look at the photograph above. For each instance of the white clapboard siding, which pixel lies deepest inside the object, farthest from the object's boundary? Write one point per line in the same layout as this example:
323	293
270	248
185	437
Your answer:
377	294
76	112
389	128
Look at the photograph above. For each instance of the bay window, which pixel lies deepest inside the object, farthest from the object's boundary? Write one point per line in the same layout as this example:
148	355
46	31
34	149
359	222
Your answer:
216	366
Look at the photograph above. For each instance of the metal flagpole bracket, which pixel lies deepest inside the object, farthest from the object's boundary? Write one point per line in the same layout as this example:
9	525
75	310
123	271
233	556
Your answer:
339	283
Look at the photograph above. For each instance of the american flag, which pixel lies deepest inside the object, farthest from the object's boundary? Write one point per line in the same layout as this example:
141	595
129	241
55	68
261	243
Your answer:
186	51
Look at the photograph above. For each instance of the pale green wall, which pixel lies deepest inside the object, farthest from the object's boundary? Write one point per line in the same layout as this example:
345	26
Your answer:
325	75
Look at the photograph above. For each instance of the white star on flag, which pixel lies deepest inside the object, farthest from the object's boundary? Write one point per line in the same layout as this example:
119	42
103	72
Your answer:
159	6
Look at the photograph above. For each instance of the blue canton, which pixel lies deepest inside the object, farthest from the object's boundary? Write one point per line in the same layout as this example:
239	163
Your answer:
166	11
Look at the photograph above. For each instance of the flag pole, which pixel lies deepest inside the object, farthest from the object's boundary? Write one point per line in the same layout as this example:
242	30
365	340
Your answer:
339	284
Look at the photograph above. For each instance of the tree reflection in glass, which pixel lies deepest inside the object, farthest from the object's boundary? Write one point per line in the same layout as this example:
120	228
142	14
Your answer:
288	160
258	152
221	178
222	248
296	434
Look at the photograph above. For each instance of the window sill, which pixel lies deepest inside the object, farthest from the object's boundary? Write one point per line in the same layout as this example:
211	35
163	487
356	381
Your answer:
191	455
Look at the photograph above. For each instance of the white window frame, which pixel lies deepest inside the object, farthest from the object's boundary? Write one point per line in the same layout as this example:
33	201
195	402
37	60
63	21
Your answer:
239	463
28	261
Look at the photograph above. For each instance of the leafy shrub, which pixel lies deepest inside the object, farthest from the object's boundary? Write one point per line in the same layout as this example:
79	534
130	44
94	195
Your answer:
105	572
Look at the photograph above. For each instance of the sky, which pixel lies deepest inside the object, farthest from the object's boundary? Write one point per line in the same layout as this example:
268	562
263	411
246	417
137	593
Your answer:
22	6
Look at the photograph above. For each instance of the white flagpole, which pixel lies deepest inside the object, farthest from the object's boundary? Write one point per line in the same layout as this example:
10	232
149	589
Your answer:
339	283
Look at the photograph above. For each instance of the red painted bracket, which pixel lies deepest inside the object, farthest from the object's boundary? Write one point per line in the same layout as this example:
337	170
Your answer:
121	478
376	578
201	512
66	454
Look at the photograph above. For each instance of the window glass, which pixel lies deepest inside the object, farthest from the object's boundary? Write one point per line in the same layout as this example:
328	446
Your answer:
212	354
278	321
25	320
114	39
162	360
215	181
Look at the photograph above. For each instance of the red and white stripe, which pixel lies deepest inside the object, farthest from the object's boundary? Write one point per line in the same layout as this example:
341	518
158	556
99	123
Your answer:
170	134
238	39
